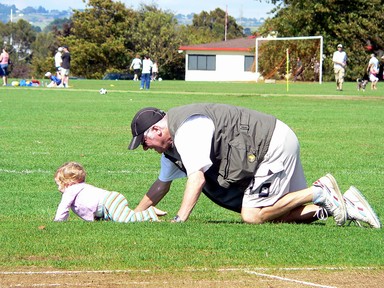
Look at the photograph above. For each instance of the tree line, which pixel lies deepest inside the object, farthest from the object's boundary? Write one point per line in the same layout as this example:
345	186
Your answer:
356	24
106	35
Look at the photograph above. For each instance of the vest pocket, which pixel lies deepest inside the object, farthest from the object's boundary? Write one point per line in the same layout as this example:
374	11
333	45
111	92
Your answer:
239	163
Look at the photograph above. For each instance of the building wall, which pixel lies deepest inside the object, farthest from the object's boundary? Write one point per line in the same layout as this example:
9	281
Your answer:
229	67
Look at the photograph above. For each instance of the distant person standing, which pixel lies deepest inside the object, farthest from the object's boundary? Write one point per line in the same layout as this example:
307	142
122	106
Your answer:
146	73
373	71
339	62
155	71
65	65
299	69
136	66
58	61
4	60
381	69
316	71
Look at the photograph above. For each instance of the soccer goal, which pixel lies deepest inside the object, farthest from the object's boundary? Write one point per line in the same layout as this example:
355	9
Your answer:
289	58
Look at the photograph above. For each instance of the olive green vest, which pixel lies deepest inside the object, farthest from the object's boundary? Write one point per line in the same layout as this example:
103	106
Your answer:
240	142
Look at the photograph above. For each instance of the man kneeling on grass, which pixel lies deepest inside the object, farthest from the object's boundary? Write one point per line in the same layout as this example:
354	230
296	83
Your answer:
242	160
91	203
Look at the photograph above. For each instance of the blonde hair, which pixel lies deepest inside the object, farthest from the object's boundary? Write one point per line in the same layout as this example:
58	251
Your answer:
70	173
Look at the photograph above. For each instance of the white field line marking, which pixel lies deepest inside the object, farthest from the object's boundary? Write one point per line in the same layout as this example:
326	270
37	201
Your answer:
42	285
190	270
40	171
26	171
69	272
292	269
334	96
287	279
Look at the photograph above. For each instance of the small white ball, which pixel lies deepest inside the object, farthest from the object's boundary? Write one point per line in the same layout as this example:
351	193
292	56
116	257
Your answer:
103	91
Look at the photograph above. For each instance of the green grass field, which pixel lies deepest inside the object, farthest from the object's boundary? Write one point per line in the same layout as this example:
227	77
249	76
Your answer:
41	128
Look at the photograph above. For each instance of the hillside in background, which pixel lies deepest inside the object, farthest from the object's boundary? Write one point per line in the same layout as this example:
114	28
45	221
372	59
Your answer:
40	17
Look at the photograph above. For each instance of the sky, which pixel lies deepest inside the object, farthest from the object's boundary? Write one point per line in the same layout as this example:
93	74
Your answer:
236	8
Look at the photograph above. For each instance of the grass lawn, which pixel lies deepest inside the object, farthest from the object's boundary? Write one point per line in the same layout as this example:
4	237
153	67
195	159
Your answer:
41	128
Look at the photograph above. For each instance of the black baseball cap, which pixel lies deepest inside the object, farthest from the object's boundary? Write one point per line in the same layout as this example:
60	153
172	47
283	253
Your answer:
143	119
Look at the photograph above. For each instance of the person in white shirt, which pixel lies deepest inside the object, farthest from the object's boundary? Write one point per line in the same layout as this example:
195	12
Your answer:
339	62
373	71
136	66
58	61
155	71
146	73
243	160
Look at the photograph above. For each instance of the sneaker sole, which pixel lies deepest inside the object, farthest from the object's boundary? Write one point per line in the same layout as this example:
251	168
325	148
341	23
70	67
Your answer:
343	208
362	199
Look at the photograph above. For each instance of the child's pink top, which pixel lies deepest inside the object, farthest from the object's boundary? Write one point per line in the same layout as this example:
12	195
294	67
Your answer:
83	199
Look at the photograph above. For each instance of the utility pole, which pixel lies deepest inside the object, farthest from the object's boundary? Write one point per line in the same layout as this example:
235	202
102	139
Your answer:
226	23
11	39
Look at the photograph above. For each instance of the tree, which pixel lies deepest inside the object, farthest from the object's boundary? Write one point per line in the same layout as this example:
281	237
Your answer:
44	47
18	38
23	36
213	24
106	36
100	38
57	25
156	34
5	32
29	10
356	24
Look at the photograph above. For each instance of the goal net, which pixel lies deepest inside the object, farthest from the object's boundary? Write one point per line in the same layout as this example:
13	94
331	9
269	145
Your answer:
289	58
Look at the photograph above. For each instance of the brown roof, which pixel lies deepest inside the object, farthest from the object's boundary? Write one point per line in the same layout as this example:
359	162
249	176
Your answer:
239	44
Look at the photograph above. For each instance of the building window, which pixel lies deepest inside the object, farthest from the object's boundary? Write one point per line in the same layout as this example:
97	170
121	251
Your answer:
202	62
248	63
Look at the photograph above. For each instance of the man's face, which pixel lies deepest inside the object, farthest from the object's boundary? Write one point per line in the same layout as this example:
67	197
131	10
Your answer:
156	139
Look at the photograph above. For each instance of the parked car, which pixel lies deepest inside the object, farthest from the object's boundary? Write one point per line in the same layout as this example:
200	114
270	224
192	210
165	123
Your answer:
118	76
76	78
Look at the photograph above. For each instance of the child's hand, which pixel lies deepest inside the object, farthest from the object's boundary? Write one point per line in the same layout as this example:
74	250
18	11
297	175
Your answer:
159	212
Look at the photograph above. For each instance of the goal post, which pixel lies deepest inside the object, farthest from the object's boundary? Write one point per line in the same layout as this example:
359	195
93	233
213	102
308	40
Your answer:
320	56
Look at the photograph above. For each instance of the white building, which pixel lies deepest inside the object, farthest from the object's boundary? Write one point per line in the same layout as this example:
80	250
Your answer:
231	60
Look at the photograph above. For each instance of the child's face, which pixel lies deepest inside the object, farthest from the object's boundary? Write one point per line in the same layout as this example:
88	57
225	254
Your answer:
60	186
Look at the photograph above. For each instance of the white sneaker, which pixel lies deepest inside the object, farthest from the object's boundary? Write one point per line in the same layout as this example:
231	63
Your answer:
358	209
331	198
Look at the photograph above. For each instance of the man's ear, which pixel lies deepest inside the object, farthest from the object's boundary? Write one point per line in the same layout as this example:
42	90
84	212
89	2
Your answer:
157	130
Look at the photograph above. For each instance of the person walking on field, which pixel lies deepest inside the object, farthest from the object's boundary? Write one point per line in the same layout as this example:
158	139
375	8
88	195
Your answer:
146	73
4	62
243	160
136	66
339	63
